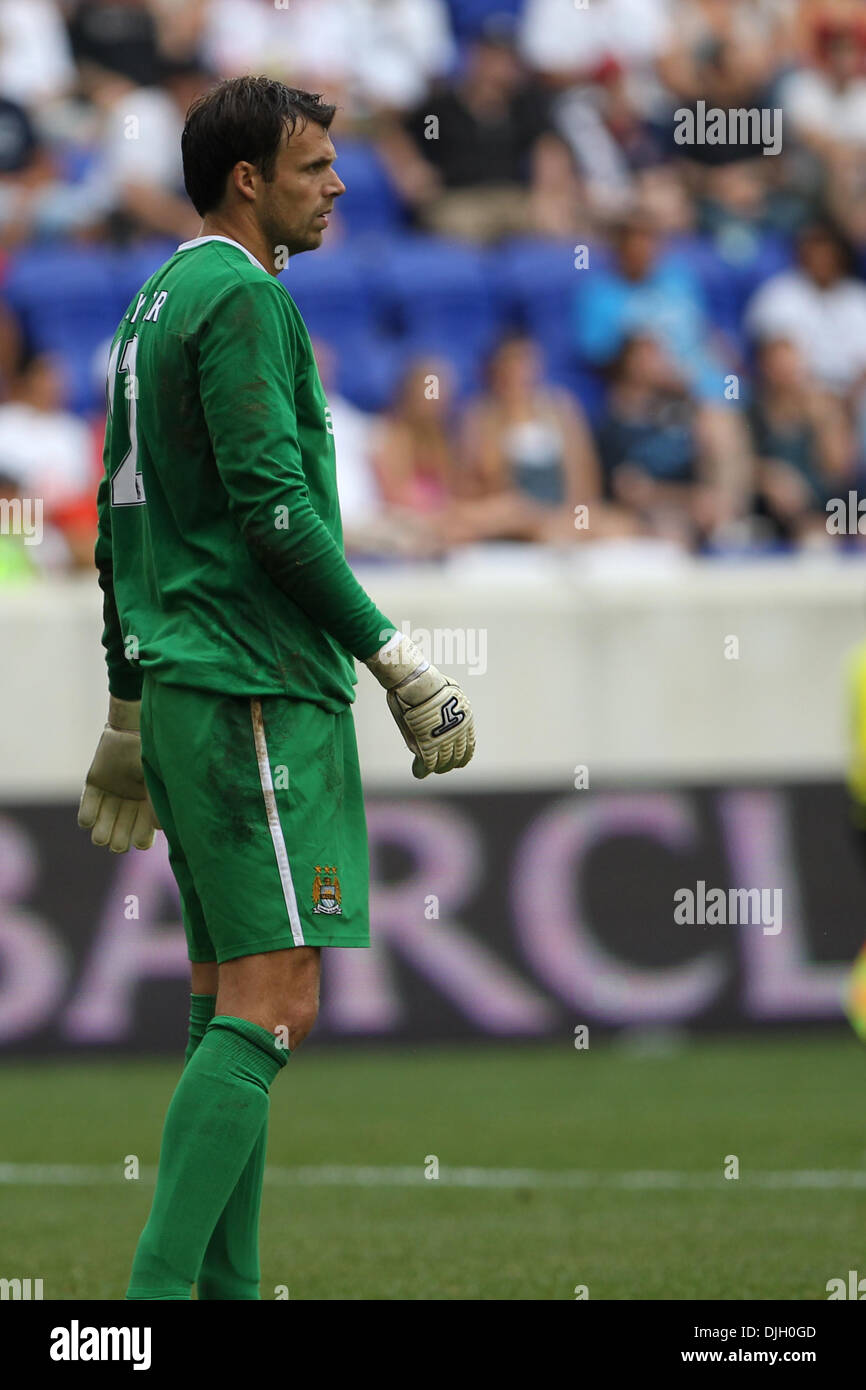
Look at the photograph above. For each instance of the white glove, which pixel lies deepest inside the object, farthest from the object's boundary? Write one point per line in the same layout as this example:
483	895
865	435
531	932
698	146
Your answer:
432	712
114	803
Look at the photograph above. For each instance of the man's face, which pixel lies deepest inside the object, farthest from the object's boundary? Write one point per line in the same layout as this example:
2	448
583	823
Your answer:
821	259
843	56
637	251
292	209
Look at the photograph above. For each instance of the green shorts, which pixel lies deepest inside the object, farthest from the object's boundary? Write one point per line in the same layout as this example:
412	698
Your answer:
261	803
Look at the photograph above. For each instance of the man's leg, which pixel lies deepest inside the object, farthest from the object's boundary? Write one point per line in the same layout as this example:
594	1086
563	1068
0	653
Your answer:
259	859
230	1269
204	979
219	1109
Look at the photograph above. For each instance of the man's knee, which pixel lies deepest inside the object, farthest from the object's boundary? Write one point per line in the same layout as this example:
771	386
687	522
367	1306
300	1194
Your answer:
279	991
299	1019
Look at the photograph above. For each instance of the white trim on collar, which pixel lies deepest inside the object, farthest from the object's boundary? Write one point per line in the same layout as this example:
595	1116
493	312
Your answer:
200	241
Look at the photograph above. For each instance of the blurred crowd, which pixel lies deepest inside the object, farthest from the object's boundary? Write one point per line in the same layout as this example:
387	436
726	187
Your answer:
674	345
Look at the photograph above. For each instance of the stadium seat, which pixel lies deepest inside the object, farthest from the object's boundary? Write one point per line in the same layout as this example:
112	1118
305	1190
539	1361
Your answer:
729	275
436	293
536	282
370	203
467	16
370	370
66	299
332	293
134	265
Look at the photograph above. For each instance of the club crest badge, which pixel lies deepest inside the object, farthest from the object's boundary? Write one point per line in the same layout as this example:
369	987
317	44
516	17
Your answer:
327	897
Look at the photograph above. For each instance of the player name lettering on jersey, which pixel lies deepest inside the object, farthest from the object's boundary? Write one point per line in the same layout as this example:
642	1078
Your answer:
159	298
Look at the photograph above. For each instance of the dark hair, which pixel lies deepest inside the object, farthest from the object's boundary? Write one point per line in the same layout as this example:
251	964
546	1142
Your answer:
512	337
828	230
242	118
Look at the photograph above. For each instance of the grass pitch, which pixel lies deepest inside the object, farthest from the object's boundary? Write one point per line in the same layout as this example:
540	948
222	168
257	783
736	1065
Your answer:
557	1168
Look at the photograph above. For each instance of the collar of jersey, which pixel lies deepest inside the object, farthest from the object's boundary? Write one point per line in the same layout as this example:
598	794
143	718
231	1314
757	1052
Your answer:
200	241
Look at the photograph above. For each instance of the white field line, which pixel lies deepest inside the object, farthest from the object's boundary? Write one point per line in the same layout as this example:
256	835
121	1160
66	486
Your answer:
329	1175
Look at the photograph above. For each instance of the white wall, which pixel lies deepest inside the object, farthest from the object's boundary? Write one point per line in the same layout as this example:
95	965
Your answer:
611	659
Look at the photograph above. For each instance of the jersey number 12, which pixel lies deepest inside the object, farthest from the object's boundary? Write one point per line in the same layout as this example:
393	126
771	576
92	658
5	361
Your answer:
127	489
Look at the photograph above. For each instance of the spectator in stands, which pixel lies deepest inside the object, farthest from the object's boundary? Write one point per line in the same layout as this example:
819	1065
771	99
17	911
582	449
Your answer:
479	158
530	454
308	43
35	200
645	287
416	456
517	469
370	525
36	64
568	46
723	52
24	170
802	441
382	53
820	307
663	454
613	144
723	61
49	452
826	101
825	107
553	124
182	26
738	203
141	149
116	36
243	36
422	469
400	47
11	348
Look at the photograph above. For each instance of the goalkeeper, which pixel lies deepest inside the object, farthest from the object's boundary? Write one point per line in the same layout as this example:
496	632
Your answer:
230	622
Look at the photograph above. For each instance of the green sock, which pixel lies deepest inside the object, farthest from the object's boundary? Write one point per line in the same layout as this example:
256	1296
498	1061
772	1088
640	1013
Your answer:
202	1008
214	1120
230	1268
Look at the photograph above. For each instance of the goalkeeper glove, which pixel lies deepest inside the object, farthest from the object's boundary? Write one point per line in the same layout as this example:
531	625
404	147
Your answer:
114	803
432	712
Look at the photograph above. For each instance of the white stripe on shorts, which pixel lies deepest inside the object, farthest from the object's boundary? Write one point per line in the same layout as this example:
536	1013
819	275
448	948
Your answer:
274	822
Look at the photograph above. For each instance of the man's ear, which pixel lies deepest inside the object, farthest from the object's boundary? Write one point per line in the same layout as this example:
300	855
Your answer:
244	177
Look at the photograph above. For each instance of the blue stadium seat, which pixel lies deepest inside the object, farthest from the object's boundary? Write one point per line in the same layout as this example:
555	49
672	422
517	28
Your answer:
435	295
369	372
67	303
75	162
728	279
332	292
370	203
134	265
536	283
467	16
466	362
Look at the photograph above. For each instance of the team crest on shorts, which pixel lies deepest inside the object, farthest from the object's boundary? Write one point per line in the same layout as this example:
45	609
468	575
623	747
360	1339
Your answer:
326	891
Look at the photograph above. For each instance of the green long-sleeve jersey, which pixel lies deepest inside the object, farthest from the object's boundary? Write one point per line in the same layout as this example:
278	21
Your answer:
220	548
